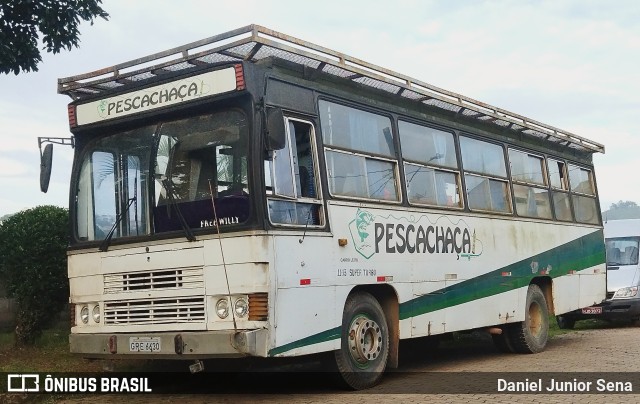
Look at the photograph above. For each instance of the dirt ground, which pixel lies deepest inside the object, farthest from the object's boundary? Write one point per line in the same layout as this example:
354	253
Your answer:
584	361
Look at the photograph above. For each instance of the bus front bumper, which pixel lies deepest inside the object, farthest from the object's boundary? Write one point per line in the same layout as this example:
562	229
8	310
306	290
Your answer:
171	345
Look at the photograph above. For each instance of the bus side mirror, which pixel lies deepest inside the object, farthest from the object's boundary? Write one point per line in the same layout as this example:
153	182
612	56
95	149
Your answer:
46	159
276	132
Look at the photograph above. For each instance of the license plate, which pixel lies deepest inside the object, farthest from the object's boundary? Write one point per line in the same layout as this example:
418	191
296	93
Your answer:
144	344
592	310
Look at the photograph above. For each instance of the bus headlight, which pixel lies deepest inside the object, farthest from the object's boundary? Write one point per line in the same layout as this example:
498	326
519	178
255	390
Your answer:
241	307
222	308
84	314
624	293
96	313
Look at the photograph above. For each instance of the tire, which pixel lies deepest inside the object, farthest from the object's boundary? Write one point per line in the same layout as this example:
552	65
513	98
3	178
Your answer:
364	347
503	341
531	335
565	323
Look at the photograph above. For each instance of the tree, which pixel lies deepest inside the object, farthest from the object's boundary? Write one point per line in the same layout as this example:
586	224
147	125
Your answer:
623	205
21	21
33	265
622	210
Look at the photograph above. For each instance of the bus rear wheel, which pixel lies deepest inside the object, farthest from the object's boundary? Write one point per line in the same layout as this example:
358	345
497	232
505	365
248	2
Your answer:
531	335
364	346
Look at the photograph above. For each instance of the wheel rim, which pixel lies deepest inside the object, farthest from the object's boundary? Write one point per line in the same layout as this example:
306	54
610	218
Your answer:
535	319
365	340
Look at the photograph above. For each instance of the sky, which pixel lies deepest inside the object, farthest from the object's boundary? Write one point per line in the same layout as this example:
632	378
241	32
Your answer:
570	64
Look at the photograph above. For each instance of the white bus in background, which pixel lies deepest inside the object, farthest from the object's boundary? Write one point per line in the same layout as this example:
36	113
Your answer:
253	194
622	238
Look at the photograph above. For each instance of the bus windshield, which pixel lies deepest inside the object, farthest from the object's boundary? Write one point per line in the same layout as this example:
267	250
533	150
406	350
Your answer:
165	177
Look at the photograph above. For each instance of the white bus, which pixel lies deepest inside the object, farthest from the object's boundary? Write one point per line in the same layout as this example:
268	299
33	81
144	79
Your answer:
253	194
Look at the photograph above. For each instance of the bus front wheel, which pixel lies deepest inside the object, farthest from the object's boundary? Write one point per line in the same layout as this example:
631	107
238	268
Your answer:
364	346
531	335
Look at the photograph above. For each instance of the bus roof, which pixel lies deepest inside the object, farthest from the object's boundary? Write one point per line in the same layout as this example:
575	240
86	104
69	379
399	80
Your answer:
254	43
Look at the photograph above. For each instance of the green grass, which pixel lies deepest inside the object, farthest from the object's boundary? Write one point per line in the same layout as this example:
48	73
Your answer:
49	354
6	338
554	329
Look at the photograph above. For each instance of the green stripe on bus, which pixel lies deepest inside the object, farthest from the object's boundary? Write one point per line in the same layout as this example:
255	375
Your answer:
323	336
575	255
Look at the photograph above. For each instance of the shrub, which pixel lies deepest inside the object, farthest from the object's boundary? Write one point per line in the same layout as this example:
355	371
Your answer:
33	264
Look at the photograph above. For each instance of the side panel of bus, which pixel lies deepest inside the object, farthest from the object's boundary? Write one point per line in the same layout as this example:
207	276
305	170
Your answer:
450	272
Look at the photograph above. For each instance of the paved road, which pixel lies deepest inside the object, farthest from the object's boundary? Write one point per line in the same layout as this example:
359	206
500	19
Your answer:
603	352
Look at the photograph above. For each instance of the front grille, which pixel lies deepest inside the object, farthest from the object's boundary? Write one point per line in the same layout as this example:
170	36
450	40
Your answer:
184	278
155	311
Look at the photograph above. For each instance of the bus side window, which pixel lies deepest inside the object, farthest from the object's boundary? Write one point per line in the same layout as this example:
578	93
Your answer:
530	188
291	177
360	153
560	190
431	169
558	175
584	195
485	175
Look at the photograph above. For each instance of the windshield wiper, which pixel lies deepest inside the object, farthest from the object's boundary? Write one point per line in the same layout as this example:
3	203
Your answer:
105	243
172	202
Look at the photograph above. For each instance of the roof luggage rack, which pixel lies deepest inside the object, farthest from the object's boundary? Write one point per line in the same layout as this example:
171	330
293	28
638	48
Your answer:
253	43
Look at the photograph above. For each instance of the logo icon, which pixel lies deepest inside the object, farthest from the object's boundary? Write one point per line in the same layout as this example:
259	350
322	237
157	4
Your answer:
361	229
23	383
102	108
